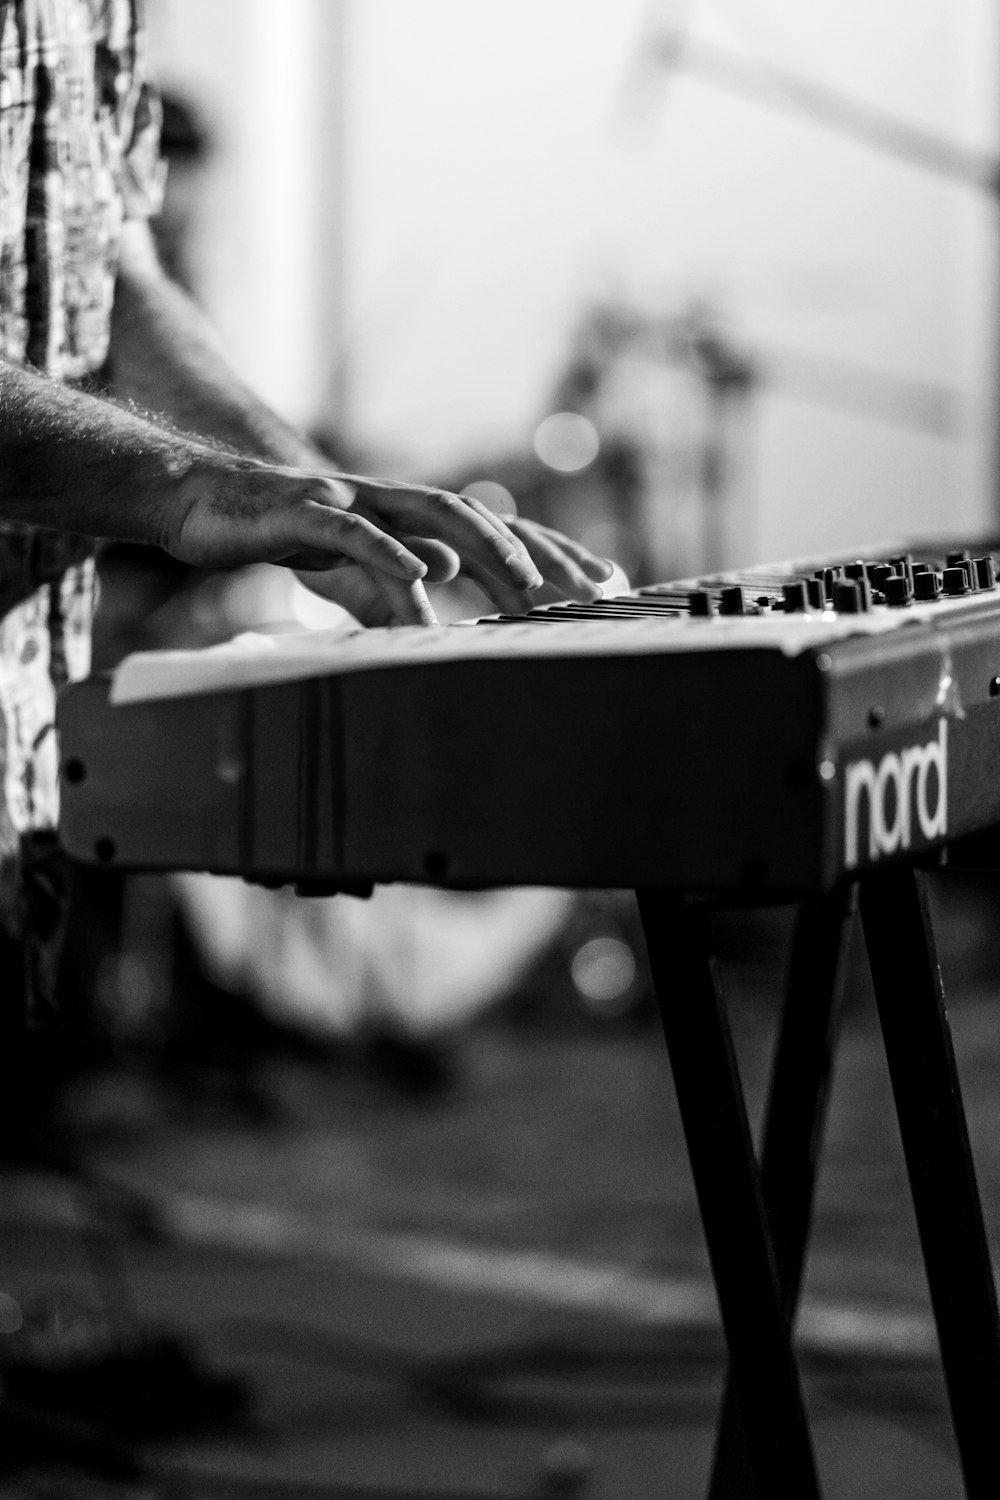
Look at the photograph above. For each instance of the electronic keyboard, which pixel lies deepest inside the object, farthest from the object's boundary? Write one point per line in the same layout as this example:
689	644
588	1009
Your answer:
764	733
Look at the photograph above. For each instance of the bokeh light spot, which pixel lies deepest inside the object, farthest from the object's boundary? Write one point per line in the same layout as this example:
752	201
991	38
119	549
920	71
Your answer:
603	970
566	442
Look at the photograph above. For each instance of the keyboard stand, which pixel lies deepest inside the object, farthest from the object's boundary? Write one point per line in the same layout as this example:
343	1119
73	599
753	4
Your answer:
794	1123
925	1084
757	1216
736	1221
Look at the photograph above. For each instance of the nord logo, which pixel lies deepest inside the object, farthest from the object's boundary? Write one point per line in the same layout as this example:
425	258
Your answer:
898	790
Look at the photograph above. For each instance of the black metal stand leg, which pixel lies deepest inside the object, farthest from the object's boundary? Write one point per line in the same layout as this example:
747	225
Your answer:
942	1177
728	1186
793	1132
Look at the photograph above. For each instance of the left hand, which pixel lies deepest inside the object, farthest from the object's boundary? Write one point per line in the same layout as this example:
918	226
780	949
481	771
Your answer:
452	534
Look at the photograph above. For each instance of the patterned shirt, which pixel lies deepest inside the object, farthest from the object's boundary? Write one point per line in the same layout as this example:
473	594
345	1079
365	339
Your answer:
79	128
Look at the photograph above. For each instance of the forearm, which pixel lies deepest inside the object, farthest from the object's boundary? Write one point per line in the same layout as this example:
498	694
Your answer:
167	359
75	462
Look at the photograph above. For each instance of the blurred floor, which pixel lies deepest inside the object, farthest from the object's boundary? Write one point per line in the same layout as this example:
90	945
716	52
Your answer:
502	1290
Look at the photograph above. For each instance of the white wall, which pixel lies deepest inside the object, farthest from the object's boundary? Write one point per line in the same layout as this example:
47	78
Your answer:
492	184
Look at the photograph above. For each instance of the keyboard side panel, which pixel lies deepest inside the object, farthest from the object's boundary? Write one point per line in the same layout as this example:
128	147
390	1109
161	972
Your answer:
693	773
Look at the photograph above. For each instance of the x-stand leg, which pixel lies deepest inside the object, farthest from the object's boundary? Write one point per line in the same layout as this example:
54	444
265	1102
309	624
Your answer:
932	1124
793	1134
752	1301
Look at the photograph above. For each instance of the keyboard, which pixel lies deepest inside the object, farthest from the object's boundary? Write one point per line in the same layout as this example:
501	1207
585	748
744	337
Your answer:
765	732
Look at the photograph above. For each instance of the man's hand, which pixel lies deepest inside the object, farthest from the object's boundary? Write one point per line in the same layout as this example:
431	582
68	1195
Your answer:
451	533
366	543
231	512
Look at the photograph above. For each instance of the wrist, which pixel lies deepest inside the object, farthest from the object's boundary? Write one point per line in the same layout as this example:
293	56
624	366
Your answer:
177	479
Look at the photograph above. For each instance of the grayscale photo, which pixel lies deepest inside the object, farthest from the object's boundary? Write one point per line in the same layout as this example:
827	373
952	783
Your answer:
499	750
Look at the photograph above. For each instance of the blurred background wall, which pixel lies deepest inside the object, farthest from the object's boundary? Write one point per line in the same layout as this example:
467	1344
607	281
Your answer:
424	218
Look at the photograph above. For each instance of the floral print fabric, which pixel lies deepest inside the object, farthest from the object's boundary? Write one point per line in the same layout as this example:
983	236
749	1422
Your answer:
79	142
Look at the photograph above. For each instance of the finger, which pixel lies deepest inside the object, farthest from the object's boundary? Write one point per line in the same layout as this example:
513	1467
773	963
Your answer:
314	528
443	563
507	600
599	569
314	562
463	524
372	597
406	603
558	567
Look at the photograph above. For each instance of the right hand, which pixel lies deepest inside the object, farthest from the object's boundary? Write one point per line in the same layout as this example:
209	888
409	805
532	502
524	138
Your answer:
230	513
